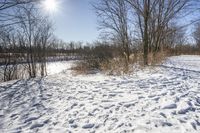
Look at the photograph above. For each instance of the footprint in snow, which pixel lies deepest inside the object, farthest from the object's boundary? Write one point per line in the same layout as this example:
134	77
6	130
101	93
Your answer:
185	110
37	125
164	124
86	126
170	106
194	125
74	126
31	119
71	121
1	113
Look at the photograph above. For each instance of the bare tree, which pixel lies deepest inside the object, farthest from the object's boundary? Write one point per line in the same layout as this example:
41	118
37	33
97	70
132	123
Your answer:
196	35
28	25
8	42
8	9
36	31
6	4
44	38
113	20
153	18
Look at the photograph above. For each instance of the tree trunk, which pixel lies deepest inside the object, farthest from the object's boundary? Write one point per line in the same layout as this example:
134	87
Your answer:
146	38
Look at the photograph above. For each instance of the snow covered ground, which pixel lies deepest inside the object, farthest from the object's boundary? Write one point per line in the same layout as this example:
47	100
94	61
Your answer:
52	68
58	67
186	62
163	99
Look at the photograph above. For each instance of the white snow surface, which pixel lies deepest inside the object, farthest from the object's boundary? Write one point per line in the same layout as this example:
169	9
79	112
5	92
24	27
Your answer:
165	99
186	62
58	67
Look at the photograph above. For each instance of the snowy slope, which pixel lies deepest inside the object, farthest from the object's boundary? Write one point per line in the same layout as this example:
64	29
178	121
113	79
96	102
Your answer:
163	99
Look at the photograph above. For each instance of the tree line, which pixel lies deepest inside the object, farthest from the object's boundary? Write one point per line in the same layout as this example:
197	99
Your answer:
139	28
152	25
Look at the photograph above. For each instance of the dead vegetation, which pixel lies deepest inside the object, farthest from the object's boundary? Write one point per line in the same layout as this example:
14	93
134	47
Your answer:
117	65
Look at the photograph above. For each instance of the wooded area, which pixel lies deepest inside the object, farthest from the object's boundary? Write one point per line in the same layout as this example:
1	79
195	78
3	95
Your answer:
154	24
151	29
130	29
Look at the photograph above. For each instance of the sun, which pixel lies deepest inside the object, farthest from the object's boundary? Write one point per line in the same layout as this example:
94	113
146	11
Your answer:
50	5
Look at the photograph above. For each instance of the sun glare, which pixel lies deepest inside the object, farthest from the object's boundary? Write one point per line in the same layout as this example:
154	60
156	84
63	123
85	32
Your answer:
50	5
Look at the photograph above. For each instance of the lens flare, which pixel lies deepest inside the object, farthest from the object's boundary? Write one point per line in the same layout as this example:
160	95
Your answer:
50	5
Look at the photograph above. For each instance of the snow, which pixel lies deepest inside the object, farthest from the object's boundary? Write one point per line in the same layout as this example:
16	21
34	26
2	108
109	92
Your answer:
187	62
58	67
52	68
163	99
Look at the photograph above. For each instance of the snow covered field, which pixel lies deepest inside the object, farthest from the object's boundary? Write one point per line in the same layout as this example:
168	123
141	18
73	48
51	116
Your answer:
164	99
52	68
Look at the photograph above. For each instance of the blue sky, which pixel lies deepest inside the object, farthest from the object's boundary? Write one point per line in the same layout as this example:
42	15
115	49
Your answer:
75	20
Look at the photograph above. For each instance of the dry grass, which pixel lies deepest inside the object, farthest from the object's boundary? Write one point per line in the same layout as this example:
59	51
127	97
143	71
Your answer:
157	58
117	66
153	58
85	67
